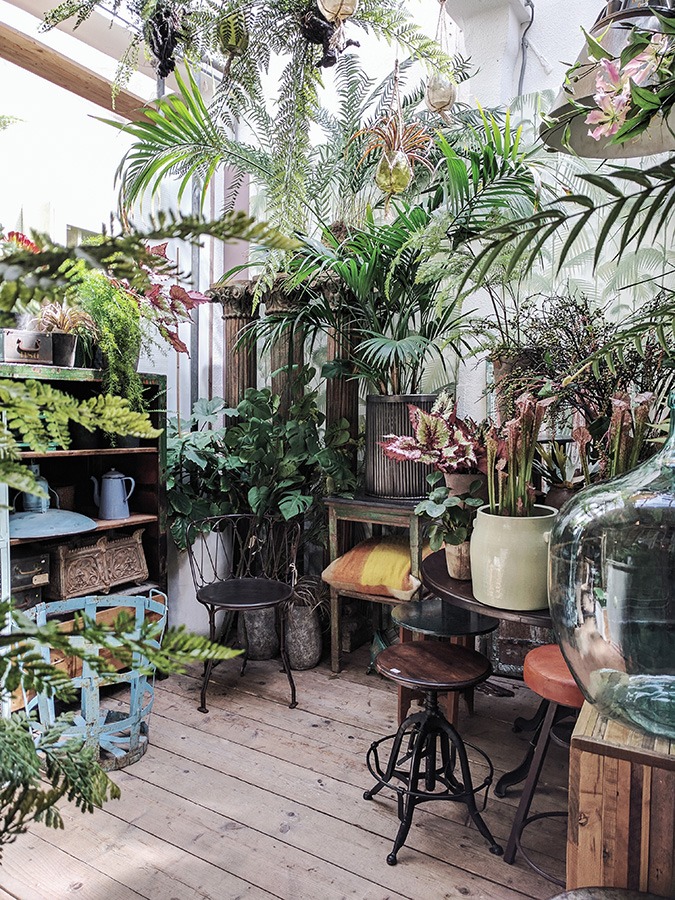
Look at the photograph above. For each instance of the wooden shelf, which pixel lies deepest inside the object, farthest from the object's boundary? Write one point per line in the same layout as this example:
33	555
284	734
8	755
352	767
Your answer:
132	521
99	451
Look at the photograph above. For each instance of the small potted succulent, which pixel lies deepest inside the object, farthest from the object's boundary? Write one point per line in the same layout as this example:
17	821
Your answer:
452	518
65	323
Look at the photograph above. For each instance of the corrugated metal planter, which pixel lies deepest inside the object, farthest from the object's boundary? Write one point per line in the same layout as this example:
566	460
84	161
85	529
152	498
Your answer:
387	478
119	736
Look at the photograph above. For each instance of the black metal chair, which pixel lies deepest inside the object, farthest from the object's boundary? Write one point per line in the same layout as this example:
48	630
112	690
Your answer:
243	563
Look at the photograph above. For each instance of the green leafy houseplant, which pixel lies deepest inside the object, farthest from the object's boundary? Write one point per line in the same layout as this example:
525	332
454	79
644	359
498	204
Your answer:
451	516
261	461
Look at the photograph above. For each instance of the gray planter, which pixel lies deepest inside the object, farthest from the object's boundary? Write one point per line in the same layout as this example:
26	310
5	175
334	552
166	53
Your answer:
63	349
387	478
261	633
303	637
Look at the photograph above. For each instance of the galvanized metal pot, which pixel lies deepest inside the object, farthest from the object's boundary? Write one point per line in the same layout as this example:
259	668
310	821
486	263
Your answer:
387	478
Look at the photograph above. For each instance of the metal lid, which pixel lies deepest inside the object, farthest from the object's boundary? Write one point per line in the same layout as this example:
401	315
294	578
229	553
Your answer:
49	524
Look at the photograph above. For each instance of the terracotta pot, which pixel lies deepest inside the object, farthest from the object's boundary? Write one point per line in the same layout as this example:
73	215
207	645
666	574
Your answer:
509	559
558	496
458	559
460	483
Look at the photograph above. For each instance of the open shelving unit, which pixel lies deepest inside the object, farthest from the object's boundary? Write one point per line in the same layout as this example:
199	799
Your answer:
74	468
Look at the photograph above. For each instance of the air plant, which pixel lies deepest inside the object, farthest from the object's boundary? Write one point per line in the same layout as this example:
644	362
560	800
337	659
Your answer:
402	146
440	439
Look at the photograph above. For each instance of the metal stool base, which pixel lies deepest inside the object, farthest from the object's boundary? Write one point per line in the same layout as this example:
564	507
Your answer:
427	755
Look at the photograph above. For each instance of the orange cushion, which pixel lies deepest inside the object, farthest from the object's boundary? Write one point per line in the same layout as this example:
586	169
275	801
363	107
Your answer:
379	566
547	674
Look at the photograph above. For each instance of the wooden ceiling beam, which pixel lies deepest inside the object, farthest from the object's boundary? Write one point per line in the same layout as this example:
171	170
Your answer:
36	57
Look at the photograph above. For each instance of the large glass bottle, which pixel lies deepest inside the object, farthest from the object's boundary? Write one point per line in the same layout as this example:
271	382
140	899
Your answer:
611	571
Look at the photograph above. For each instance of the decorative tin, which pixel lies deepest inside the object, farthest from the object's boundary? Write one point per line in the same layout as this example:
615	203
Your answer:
29	571
81	568
26	347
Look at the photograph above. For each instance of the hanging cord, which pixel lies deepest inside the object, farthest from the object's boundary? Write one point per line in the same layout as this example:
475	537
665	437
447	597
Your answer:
524	47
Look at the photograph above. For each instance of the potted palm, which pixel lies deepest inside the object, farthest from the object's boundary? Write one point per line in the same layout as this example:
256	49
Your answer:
389	324
509	545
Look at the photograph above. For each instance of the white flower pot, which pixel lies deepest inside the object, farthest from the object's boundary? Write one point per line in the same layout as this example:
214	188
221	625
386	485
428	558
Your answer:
509	559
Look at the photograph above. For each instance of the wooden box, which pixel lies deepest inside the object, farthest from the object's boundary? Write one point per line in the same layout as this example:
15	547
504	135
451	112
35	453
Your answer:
621	830
90	568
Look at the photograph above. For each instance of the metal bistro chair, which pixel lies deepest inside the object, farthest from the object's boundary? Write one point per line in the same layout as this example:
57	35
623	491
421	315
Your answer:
239	563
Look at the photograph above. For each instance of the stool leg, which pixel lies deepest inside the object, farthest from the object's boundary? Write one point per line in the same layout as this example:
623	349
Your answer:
407	800
410	727
284	658
470	799
541	741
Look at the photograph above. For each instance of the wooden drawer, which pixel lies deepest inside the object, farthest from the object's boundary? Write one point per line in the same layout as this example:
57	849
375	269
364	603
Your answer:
26	599
621	830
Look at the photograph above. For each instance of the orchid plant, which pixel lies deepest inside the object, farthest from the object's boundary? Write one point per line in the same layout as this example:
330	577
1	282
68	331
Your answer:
440	439
510	458
633	89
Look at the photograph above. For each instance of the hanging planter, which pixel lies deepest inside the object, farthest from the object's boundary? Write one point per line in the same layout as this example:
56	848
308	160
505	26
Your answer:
337	10
441	91
233	37
402	145
440	94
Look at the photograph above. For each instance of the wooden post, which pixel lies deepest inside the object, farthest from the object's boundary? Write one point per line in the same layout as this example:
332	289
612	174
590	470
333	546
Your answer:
287	353
240	369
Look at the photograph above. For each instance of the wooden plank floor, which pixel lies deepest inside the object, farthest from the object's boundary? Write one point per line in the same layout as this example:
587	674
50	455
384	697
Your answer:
254	800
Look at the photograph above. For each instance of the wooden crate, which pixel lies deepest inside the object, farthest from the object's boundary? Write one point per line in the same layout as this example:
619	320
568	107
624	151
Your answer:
621	830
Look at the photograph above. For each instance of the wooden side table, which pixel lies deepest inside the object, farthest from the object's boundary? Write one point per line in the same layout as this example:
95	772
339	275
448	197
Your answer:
621	830
400	513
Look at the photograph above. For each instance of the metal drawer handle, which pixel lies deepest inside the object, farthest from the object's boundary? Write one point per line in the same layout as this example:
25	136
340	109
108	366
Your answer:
28	351
36	571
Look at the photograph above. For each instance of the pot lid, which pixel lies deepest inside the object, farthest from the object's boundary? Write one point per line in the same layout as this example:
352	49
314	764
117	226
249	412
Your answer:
52	523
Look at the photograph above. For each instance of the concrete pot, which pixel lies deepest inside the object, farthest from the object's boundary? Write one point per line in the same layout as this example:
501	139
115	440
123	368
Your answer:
303	637
509	559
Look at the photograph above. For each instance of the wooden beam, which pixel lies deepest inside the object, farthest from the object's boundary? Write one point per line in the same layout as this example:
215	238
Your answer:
36	57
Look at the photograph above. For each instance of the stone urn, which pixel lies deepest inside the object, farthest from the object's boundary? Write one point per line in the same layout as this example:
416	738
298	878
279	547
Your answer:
261	633
303	637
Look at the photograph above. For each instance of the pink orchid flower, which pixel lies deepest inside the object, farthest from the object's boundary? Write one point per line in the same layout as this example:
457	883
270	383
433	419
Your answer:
610	115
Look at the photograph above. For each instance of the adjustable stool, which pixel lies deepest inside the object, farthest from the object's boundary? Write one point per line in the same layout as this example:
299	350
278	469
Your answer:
432	668
546	673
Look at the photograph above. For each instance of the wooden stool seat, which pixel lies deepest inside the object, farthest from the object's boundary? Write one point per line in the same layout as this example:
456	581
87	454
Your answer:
546	673
433	666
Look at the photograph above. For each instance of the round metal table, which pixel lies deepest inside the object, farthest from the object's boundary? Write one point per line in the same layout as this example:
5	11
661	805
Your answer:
438	618
436	579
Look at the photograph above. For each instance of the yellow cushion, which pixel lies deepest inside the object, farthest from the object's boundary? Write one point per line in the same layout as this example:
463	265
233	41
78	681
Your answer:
379	566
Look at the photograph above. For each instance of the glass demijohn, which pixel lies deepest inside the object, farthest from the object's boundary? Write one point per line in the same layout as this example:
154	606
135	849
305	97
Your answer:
612	562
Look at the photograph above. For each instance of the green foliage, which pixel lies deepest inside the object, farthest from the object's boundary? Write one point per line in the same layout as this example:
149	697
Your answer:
118	321
262	460
26	276
451	516
39	415
381	306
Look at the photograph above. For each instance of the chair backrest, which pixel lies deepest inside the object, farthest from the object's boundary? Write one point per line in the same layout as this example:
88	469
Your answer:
242	546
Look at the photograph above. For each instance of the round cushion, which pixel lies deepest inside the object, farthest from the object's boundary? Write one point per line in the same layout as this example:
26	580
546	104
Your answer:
546	673
433	666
